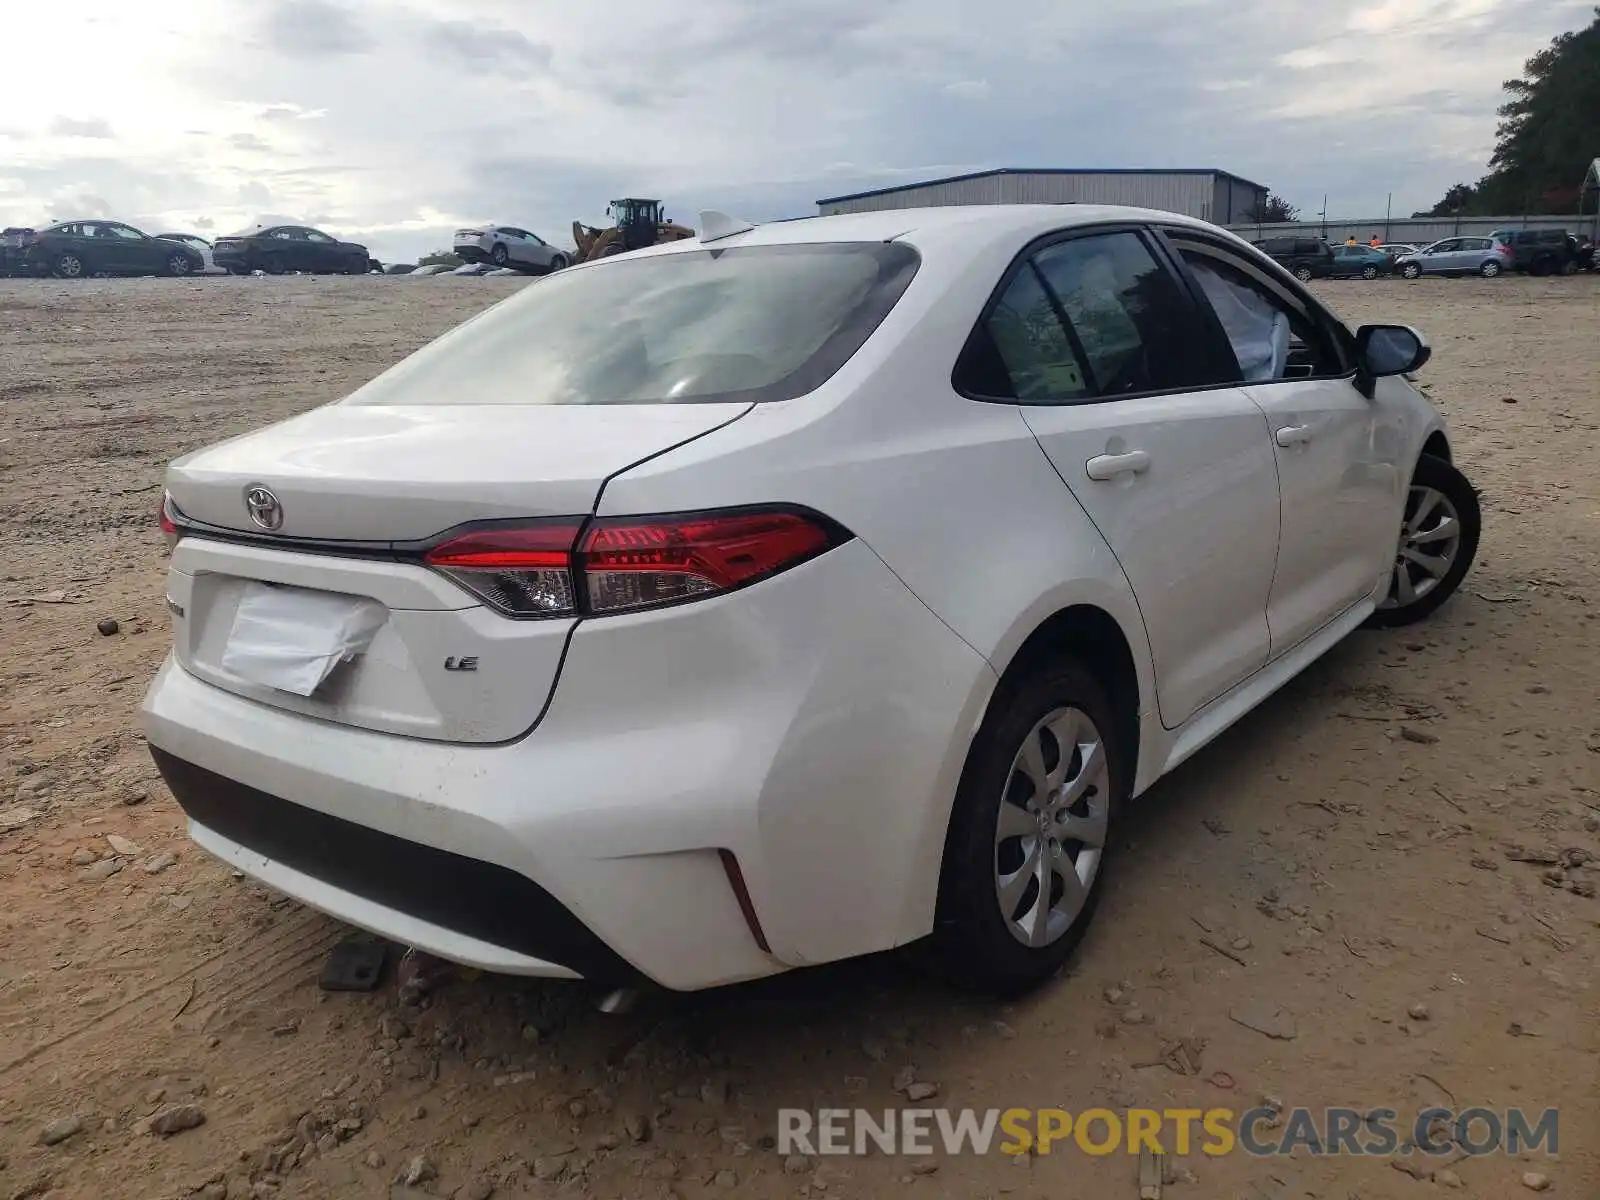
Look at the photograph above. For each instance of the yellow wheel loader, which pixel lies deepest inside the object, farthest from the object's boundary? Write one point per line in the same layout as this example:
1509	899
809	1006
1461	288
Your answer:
638	223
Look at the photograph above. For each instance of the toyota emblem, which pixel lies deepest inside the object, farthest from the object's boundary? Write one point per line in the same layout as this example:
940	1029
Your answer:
263	507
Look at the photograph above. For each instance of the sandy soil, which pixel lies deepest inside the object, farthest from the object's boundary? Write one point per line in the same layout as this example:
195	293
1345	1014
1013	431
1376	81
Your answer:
1351	840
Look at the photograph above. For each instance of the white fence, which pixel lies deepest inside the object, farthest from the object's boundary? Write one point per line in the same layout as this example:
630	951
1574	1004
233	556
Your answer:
1416	231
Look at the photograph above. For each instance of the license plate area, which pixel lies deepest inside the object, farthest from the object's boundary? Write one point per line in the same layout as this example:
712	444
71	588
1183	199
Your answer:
294	639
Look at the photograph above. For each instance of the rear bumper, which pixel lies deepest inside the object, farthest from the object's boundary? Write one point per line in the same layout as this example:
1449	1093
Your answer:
471	252
444	903
813	727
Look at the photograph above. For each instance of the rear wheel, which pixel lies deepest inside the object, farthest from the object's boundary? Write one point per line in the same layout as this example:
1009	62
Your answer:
1489	269
1029	831
1369	272
70	266
178	265
272	265
499	256
1303	273
1438	541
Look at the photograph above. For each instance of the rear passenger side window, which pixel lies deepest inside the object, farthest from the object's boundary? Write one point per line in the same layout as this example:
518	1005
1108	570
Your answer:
1137	329
1020	351
1093	317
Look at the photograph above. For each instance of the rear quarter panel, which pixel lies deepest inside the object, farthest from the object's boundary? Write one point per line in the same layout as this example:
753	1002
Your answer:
954	496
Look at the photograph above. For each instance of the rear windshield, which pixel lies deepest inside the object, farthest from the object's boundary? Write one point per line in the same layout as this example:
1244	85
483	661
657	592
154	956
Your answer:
755	323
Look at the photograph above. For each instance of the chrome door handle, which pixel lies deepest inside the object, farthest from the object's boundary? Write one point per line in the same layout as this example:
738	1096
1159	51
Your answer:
1106	467
1293	435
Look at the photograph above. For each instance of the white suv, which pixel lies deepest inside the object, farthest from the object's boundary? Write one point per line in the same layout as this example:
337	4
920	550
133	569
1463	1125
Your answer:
758	601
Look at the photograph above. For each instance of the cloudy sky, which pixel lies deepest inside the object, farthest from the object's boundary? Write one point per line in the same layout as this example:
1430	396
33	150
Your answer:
395	121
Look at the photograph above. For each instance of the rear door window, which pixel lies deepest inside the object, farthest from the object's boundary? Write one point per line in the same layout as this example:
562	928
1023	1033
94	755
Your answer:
1021	350
1088	318
1138	331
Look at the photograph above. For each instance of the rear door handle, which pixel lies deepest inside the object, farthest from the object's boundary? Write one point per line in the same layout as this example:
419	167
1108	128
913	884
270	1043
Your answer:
1293	435
1106	467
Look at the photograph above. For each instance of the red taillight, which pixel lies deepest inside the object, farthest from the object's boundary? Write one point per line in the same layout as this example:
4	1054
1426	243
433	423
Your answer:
169	527
524	571
627	563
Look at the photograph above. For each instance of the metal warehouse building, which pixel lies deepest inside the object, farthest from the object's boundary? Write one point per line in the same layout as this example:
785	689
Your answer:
1206	193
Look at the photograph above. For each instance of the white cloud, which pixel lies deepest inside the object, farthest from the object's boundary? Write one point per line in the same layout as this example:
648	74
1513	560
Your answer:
394	121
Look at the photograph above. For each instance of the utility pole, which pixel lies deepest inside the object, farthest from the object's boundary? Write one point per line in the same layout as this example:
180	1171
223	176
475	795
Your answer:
1324	215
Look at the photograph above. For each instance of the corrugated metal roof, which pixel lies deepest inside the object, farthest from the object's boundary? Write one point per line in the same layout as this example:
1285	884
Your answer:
921	183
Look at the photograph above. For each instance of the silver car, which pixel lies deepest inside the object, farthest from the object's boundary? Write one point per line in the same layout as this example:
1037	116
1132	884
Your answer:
508	246
199	244
1486	256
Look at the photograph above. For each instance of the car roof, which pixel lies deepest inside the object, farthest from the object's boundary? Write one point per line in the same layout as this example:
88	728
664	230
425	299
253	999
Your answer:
924	227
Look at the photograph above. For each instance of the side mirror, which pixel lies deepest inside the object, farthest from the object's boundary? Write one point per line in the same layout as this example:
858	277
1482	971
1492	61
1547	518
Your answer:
1385	350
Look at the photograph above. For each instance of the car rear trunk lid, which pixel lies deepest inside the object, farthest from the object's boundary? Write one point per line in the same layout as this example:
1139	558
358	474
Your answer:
355	486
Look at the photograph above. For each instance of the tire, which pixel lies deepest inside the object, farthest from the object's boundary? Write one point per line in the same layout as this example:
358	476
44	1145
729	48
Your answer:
1410	271
272	265
70	266
500	256
978	941
1443	492
1369	272
559	263
178	265
1303	274
1489	270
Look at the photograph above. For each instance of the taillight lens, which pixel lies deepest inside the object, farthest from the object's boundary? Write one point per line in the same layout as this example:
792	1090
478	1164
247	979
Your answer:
628	563
169	526
524	571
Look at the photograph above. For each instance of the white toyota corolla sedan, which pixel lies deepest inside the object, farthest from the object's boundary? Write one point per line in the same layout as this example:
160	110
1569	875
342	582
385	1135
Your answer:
789	593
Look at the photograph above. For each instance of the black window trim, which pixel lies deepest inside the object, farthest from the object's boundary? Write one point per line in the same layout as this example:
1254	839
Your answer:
1271	275
1216	342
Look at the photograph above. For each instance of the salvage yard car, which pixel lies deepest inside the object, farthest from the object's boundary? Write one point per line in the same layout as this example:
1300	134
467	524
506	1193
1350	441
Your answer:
789	593
75	249
1361	261
282	249
1486	256
200	246
509	246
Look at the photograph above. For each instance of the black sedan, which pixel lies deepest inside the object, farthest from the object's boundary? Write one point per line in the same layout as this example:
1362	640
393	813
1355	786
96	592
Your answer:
74	249
280	249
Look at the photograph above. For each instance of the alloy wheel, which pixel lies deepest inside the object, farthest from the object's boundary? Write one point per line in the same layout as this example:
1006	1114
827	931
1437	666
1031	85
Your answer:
1430	539
1051	831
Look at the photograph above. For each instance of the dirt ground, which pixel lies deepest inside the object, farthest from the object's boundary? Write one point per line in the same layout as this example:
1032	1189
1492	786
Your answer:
1348	845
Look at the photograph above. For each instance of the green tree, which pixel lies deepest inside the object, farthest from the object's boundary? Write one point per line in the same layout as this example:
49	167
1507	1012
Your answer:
1275	211
1549	132
441	258
1459	199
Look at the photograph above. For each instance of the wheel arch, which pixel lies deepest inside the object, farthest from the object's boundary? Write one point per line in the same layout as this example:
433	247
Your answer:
1095	639
1437	445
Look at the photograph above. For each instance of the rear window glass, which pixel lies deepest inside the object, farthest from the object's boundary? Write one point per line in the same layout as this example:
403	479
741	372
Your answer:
754	323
